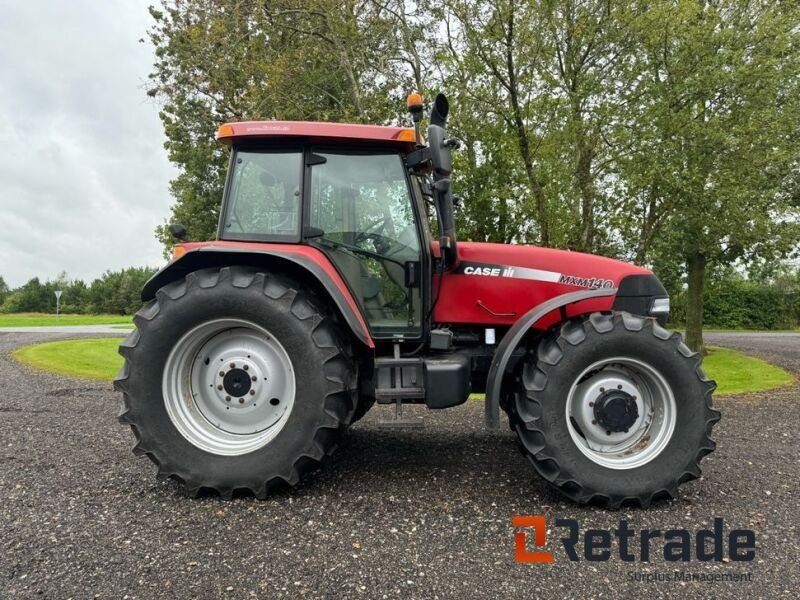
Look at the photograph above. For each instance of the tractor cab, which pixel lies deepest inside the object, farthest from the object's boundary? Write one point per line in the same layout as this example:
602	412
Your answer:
352	191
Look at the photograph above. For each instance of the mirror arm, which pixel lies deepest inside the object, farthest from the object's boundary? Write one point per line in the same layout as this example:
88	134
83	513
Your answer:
419	160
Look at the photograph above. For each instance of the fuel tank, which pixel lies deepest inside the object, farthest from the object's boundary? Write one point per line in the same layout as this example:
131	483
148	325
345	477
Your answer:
495	284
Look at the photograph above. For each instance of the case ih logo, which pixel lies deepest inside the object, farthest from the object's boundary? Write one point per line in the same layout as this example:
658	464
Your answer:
489	271
675	545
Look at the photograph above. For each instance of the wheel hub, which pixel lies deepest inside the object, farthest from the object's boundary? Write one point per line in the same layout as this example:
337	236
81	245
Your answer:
237	382
616	410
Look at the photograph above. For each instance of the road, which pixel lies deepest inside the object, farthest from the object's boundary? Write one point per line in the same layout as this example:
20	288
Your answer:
415	513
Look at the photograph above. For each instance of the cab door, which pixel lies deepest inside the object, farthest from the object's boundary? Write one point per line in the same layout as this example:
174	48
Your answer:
360	212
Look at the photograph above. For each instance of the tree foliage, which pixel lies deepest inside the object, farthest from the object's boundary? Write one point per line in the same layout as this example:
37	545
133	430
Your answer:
224	60
664	132
117	292
714	144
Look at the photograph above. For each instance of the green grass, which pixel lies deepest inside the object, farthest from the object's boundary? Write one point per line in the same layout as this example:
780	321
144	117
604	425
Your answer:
87	359
734	372
44	320
737	373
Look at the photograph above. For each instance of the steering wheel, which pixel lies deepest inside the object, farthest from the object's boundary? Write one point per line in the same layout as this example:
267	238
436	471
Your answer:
373	229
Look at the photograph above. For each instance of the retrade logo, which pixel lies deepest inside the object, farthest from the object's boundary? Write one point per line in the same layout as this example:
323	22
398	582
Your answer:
539	525
628	544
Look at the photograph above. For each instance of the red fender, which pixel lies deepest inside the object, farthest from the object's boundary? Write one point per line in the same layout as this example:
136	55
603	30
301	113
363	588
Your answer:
301	259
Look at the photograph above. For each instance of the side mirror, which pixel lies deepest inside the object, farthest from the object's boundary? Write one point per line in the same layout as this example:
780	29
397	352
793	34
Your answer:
178	231
441	156
440	149
440	144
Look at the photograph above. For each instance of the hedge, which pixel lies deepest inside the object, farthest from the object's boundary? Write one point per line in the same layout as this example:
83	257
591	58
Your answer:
741	304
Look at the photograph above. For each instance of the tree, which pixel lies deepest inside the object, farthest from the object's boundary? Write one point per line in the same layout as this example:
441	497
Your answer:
222	60
33	296
715	137
539	90
3	290
117	292
491	51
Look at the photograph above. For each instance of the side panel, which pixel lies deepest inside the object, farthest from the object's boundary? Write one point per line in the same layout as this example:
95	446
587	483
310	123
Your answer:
309	260
495	284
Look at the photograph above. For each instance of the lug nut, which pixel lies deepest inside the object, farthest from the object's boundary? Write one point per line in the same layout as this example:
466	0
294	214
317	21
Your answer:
219	387
608	433
602	389
252	392
591	403
594	422
246	368
233	365
222	373
619	387
254	378
241	400
227	398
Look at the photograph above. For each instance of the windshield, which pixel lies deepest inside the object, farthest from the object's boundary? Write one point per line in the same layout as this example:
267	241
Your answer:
363	197
264	196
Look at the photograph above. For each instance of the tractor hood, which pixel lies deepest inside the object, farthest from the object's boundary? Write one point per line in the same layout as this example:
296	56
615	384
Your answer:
574	269
498	283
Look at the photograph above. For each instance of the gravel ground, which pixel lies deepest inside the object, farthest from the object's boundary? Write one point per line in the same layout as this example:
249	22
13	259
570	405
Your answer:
416	513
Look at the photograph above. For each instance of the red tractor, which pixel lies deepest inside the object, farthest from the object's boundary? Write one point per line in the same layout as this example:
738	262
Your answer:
336	281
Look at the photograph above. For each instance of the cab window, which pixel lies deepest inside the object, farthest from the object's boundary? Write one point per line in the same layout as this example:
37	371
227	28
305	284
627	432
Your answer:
361	210
264	196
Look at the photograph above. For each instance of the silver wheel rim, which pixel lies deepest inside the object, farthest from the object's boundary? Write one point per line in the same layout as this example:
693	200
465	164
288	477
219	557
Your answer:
646	437
228	387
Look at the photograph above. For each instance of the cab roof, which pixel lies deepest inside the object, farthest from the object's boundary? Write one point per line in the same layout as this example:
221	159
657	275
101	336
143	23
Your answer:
402	138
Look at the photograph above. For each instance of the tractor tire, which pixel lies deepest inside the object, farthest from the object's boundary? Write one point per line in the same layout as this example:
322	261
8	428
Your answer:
235	379
613	409
363	407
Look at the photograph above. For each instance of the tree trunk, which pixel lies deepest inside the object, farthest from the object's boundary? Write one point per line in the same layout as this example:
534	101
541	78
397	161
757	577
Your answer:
522	138
583	175
696	265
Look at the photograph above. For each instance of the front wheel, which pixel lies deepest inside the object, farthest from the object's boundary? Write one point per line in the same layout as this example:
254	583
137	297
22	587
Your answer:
614	409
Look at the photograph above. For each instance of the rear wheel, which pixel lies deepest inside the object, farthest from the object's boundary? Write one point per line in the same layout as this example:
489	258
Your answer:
614	409
235	379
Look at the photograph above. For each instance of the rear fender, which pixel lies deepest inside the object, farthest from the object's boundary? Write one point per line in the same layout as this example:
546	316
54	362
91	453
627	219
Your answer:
510	341
301	266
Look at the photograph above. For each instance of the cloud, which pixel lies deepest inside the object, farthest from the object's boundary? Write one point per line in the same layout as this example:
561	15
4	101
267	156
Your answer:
83	176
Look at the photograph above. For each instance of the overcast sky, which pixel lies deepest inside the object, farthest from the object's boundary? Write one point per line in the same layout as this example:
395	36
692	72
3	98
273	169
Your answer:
83	175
